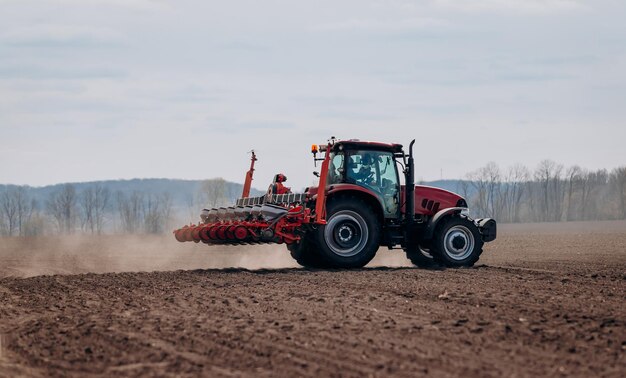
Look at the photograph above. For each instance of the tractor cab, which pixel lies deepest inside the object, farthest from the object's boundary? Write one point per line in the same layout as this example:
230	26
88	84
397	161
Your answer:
371	166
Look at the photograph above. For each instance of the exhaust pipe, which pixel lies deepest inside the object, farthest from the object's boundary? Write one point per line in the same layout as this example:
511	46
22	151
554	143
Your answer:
409	200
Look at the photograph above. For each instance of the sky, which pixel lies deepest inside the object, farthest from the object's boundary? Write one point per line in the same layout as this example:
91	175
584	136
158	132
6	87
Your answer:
119	89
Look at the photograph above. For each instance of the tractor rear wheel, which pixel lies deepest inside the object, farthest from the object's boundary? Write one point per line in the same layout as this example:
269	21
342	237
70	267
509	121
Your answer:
305	254
456	242
351	235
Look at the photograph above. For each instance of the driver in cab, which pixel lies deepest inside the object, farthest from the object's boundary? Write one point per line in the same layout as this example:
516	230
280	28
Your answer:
363	172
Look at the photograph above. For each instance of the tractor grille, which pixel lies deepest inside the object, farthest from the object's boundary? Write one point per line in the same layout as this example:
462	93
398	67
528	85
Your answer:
430	205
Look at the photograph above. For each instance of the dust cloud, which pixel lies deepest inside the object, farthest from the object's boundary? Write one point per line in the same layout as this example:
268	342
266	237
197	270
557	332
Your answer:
27	257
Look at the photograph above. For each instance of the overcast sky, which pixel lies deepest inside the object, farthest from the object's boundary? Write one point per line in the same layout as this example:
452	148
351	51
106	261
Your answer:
97	89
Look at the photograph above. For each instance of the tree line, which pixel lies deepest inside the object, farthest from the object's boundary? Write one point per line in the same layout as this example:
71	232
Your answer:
549	193
96	209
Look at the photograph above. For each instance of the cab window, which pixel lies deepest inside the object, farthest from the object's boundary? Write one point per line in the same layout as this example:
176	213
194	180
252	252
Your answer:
336	169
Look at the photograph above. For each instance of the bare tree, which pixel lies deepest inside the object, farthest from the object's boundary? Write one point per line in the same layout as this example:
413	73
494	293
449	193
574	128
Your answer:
24	208
102	198
193	203
557	193
166	210
62	206
494	185
573	175
86	203
618	180
487	183
3	225
513	192
232	192
543	175
130	211
157	213
591	184
35	224
152	215
213	192
548	175
463	187
9	210
480	201
93	202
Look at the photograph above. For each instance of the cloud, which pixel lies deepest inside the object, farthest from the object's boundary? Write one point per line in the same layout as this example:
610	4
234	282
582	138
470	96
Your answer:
527	6
384	26
244	46
133	4
326	101
177	94
266	125
534	76
355	115
60	36
566	60
260	126
42	72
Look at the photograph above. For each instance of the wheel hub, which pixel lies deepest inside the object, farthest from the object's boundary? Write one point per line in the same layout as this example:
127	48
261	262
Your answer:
458	242
346	233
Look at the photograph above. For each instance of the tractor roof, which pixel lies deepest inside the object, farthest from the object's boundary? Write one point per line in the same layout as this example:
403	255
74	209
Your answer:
367	145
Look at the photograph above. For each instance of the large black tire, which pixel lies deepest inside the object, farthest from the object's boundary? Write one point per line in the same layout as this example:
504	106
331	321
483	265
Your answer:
306	254
456	242
420	256
351	235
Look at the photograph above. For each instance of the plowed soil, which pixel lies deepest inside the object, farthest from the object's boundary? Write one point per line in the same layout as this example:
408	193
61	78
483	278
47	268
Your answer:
544	300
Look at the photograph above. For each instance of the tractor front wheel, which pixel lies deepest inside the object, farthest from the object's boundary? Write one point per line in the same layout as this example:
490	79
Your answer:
420	256
351	235
456	242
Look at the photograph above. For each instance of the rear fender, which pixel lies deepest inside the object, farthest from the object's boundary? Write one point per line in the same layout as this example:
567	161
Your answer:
336	191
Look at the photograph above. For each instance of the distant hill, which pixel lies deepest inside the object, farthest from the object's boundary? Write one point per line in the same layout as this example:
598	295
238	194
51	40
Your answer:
121	214
180	190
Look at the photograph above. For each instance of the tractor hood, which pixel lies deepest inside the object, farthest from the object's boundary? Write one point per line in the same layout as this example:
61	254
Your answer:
429	200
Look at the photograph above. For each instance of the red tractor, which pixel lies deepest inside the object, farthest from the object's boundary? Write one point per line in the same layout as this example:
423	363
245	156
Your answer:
363	206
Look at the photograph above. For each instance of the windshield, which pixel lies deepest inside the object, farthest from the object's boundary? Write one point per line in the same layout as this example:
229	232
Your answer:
375	170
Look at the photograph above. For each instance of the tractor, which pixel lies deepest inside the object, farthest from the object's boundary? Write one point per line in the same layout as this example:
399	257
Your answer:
358	206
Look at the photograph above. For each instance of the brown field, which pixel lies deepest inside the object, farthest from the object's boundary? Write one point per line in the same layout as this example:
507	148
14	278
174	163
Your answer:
544	300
